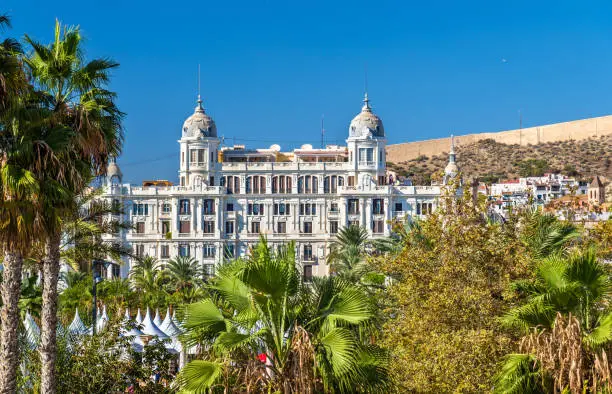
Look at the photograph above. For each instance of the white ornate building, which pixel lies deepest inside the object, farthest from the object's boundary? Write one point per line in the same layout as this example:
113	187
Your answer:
228	196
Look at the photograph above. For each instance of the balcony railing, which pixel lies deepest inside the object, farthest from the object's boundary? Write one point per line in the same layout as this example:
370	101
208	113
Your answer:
309	259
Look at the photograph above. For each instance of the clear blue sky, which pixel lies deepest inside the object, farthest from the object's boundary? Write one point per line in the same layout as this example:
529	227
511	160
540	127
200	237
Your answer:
271	69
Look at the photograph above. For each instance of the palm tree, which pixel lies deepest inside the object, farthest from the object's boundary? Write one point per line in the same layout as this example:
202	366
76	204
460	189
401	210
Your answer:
577	288
75	91
149	279
182	272
347	248
29	141
306	336
546	235
403	232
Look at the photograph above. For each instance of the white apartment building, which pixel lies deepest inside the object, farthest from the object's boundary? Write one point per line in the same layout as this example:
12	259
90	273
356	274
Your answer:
228	196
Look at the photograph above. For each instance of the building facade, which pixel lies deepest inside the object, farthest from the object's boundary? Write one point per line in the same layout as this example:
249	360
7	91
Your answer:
228	196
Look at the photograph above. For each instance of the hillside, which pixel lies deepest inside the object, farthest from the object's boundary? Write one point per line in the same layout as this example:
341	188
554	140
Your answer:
490	160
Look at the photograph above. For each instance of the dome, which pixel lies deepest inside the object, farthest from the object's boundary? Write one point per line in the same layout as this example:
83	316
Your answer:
113	169
366	122
199	124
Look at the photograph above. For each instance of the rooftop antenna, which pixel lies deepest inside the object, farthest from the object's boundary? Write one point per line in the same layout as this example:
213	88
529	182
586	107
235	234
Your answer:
322	131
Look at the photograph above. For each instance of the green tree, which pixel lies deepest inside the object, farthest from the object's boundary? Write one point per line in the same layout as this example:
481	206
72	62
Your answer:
74	90
29	140
182	272
309	335
149	280
545	235
450	280
572	292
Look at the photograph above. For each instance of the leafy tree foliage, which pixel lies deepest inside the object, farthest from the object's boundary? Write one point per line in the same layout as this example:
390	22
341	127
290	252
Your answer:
451	276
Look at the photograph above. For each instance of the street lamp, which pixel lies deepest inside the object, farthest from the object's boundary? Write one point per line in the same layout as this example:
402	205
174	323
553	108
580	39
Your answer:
96	278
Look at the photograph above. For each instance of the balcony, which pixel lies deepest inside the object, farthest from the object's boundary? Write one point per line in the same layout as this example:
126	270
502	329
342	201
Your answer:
309	259
184	235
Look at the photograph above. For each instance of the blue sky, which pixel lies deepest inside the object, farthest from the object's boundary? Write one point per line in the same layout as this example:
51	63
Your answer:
271	69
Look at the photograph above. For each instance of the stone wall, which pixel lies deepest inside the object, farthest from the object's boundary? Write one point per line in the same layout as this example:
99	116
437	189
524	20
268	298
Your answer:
574	130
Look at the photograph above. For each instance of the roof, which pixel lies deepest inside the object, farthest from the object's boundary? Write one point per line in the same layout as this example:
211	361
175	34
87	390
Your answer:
596	182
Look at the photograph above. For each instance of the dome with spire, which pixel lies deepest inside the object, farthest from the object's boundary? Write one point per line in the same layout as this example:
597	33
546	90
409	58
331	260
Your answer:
113	169
452	169
366	122
199	124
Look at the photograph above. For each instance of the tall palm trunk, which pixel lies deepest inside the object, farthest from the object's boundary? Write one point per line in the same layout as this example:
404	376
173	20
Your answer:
48	342
9	325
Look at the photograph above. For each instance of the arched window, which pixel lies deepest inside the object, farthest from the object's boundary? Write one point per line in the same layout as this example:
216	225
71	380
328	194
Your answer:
281	184
232	184
331	183
256	184
308	184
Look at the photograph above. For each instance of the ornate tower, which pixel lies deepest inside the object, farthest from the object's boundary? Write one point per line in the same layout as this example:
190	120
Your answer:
113	172
451	169
366	145
199	148
597	191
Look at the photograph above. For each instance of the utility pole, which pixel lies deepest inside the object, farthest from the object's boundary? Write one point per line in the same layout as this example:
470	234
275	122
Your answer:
322	132
520	128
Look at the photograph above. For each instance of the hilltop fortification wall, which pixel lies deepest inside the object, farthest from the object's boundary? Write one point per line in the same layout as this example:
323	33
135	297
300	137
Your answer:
574	130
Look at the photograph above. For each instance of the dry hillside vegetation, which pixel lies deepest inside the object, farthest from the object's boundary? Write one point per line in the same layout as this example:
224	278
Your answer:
491	161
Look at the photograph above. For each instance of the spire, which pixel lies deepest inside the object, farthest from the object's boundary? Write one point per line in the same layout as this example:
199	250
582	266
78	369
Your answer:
366	103
199	107
451	154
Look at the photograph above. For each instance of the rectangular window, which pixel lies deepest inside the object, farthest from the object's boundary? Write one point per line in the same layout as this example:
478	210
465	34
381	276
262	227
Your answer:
351	180
208	250
378	226
208	226
139	250
184	208
165	251
307	227
281	227
398	207
333	207
208	206
165	227
229	227
230	207
418	208
184	226
308	253
366	155
194	156
353	206
166	208
276	209
211	181
333	226
140	209
308	273
228	251
354	223
184	250
255	227
140	228
378	206
255	209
